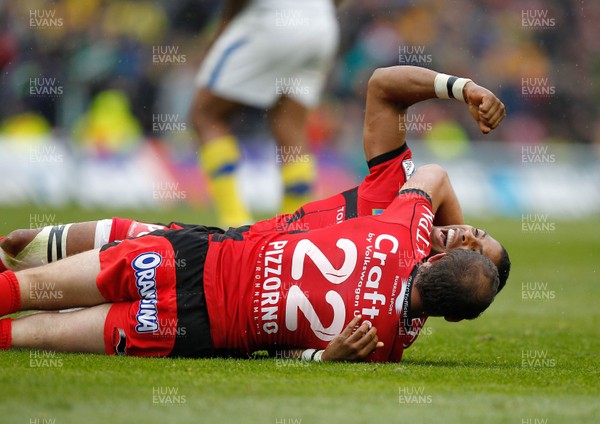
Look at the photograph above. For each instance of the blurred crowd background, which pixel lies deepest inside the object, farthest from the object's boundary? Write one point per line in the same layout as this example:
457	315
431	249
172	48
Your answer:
109	75
90	46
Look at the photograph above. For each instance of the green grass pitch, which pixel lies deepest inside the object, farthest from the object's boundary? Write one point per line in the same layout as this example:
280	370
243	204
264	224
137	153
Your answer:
532	358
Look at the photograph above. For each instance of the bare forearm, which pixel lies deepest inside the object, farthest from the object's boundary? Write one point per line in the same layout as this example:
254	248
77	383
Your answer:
449	211
393	90
434	180
403	85
390	92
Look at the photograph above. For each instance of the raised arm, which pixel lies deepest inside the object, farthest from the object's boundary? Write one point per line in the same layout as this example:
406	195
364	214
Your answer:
391	91
434	180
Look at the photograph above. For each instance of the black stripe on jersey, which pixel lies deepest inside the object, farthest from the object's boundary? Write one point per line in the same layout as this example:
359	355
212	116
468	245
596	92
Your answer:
415	191
384	157
236	234
299	214
351	197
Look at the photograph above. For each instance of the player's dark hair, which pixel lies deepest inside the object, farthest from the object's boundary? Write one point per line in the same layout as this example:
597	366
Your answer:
503	268
461	285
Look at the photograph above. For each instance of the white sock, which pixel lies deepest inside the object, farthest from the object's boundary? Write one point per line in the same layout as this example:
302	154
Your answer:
103	229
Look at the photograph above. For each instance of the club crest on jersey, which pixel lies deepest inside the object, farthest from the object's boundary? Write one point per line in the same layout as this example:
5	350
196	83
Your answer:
145	266
409	167
376	212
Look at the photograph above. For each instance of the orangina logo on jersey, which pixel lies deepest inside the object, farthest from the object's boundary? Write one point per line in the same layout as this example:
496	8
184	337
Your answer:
145	266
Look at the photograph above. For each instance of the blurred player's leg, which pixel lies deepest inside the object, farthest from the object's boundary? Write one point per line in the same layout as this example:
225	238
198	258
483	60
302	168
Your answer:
78	331
220	156
258	59
287	120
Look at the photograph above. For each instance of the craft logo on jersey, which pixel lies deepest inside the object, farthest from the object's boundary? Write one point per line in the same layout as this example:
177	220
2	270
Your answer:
384	244
145	266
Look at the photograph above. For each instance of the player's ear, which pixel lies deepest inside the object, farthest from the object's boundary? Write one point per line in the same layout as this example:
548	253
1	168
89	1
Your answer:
436	257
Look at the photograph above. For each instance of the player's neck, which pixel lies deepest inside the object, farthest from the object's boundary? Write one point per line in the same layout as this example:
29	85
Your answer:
415	305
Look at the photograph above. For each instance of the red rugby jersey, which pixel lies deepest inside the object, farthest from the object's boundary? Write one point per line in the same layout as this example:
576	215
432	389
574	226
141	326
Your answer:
268	289
387	174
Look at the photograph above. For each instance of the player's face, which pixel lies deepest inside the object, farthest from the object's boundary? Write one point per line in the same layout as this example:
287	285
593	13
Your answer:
450	237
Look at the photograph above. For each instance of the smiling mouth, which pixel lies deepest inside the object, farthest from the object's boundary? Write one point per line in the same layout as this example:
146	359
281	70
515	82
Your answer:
448	237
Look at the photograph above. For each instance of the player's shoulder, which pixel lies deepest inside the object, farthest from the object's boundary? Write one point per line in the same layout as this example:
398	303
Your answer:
401	154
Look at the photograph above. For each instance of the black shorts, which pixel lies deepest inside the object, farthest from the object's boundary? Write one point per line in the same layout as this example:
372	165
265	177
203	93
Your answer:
156	284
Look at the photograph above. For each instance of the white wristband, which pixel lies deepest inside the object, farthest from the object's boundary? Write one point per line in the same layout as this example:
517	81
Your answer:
312	355
449	87
308	354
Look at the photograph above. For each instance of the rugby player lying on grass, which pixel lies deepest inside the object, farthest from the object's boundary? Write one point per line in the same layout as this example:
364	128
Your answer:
202	292
390	93
387	173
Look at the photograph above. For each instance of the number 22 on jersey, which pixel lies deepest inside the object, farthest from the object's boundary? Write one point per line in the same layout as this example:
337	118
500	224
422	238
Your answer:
297	300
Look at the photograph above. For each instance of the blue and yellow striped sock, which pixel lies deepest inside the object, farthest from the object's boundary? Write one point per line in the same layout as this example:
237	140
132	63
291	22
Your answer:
220	158
298	180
